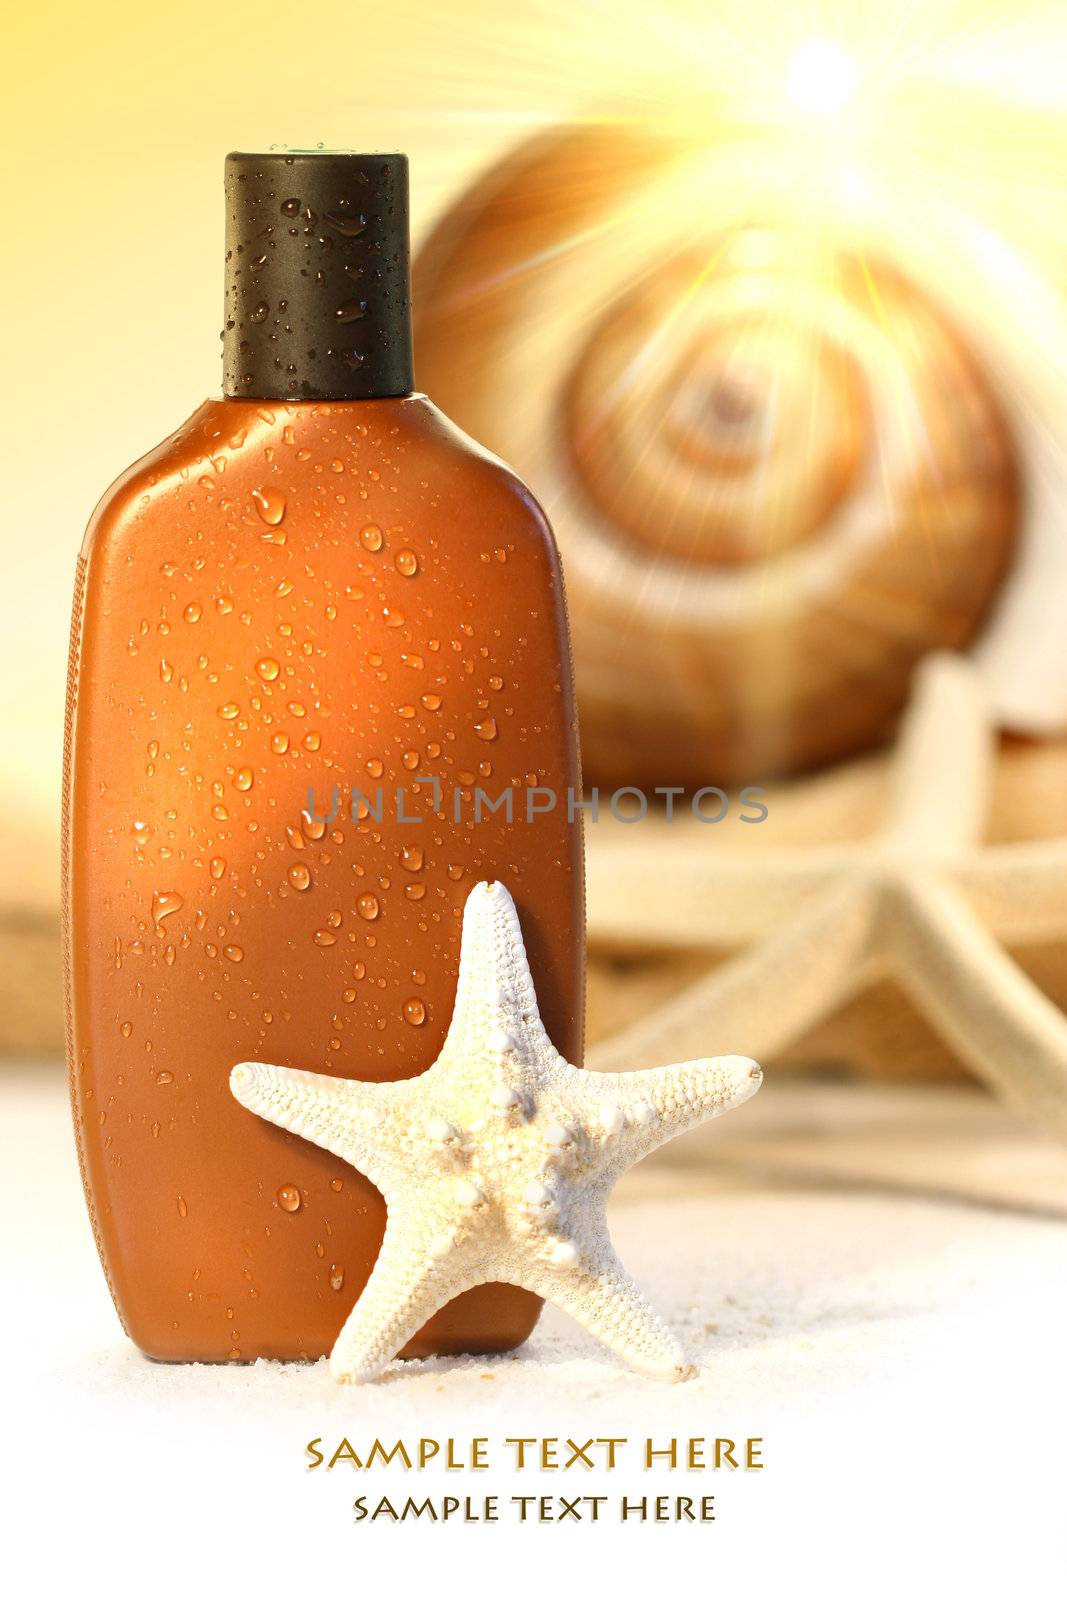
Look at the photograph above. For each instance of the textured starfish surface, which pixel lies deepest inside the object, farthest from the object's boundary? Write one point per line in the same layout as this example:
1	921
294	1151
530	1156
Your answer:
925	900
497	1162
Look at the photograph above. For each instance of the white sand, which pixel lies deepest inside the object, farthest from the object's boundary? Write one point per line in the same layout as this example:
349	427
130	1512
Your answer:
874	1281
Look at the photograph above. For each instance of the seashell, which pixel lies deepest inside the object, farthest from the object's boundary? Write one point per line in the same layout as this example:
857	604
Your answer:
778	473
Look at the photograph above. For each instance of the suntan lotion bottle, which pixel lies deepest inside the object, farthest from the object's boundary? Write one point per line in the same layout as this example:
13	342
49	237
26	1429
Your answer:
308	628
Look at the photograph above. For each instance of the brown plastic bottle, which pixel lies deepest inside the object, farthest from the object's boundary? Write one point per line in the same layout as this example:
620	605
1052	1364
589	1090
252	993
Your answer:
317	584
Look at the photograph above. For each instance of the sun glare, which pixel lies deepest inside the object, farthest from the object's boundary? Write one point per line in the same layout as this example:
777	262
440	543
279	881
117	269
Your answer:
822	76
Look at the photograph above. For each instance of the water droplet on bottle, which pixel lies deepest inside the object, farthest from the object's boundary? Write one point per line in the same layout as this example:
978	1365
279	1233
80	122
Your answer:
432	702
289	1197
290	208
405	711
230	710
166	671
351	311
411	857
193	612
142	831
126	1029
259	313
233	952
375	767
347	227
486	729
337	1277
455	871
165	902
406	563
299	876
415	891
279	743
311	741
183	1209
414	1012
313	827
371	537
324	937
368	907
217	867
163	1078
243	779
268	668
270	505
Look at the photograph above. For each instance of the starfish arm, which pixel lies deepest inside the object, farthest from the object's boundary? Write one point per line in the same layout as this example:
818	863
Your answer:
343	1115
407	1285
494	989
943	763
1019	891
984	1004
642	1110
599	1293
758	1001
724	900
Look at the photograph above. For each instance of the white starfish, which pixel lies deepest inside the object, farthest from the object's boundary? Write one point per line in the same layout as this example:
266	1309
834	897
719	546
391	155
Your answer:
496	1164
926	900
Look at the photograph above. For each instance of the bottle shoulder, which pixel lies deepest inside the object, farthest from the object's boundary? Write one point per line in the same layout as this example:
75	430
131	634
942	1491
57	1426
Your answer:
230	450
151	472
493	476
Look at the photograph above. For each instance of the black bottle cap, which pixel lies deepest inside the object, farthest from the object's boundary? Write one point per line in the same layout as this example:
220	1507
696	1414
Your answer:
318	299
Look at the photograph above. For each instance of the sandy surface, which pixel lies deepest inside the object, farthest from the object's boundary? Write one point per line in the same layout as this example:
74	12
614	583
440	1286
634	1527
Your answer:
873	1281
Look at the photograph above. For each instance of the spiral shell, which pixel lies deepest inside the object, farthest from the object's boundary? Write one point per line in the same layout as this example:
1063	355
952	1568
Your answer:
777	474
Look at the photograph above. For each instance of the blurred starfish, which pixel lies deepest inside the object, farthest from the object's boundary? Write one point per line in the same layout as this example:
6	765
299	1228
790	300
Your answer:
496	1164
924	900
